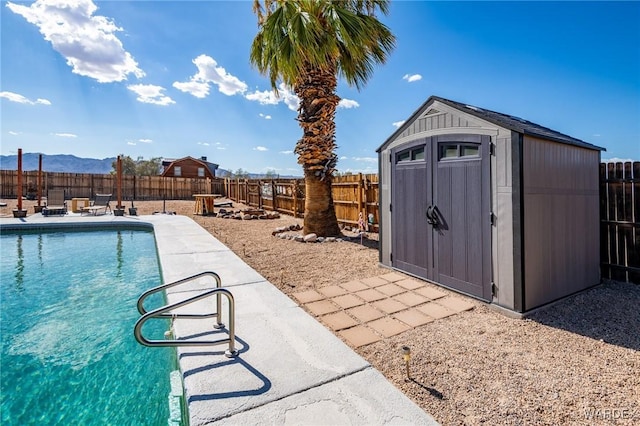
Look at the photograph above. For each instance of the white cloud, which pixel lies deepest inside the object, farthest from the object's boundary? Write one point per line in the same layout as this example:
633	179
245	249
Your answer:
87	41
268	97
221	148
286	152
289	98
150	94
596	135
195	88
617	160
210	73
12	133
366	170
398	123
145	140
365	159
266	117
203	143
344	157
66	135
412	78
260	148
15	97
131	143
348	103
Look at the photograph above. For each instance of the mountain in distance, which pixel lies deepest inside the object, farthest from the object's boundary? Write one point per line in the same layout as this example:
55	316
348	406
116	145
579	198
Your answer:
225	173
58	163
66	163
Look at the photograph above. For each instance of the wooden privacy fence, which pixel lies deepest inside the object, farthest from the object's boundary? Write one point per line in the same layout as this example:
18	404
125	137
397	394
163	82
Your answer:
352	195
620	221
281	195
86	185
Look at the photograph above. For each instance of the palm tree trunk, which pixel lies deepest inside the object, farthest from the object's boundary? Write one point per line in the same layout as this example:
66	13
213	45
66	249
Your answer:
319	213
316	116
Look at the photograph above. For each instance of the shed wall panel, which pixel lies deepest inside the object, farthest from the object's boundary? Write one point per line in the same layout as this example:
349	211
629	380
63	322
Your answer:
561	220
436	121
503	265
384	200
502	192
507	261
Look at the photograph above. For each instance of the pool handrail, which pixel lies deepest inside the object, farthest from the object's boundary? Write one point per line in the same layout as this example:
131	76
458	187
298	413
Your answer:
165	311
162	287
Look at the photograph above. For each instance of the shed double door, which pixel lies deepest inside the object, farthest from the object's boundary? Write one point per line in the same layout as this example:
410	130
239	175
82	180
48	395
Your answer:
441	211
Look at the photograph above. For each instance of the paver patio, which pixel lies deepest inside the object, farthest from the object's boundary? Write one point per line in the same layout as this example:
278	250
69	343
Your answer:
368	310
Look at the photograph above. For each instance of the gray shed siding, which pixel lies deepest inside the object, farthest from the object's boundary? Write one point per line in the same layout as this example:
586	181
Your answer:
503	238
506	238
544	199
561	220
440	120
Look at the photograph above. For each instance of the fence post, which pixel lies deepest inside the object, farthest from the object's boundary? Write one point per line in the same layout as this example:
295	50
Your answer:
295	198
360	209
365	212
274	195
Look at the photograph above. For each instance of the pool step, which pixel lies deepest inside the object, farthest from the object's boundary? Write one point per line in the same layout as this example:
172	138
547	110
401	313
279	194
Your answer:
176	396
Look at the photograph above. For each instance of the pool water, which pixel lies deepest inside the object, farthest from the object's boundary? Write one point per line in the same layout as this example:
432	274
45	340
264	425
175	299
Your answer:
68	308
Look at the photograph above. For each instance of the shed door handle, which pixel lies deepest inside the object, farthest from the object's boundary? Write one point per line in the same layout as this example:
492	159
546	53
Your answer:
432	216
429	217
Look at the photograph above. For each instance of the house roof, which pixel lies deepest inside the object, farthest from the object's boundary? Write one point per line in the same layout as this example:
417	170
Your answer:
507	121
211	166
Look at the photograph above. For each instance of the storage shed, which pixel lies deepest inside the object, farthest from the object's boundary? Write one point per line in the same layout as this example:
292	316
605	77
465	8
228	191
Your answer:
490	205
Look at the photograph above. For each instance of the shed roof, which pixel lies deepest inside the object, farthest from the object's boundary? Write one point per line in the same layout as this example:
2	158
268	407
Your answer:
507	121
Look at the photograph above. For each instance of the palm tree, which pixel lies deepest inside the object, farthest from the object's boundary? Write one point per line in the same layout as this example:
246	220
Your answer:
308	44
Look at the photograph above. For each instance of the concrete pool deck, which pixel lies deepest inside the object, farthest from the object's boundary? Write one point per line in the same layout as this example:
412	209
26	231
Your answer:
290	368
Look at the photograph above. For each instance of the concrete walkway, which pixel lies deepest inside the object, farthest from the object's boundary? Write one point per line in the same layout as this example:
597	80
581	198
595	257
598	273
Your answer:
290	370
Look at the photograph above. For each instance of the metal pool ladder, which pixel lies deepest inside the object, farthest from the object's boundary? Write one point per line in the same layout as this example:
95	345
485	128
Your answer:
165	312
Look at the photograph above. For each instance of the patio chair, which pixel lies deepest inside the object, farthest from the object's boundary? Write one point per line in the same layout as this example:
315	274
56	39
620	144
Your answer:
56	205
100	203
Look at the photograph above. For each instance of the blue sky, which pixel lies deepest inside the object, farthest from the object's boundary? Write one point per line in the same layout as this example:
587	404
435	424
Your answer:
173	79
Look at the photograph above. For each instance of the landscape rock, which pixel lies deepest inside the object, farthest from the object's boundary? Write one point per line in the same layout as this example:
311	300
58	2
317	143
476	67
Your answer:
310	238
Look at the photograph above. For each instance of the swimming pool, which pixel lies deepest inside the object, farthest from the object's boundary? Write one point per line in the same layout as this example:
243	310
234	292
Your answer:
68	352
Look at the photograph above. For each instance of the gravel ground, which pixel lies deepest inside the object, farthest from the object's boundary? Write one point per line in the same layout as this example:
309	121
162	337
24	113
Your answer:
576	362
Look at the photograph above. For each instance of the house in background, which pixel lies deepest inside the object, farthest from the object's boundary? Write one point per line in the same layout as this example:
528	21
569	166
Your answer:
189	167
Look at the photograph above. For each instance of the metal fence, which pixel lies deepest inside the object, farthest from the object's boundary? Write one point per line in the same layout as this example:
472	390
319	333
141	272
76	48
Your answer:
620	221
